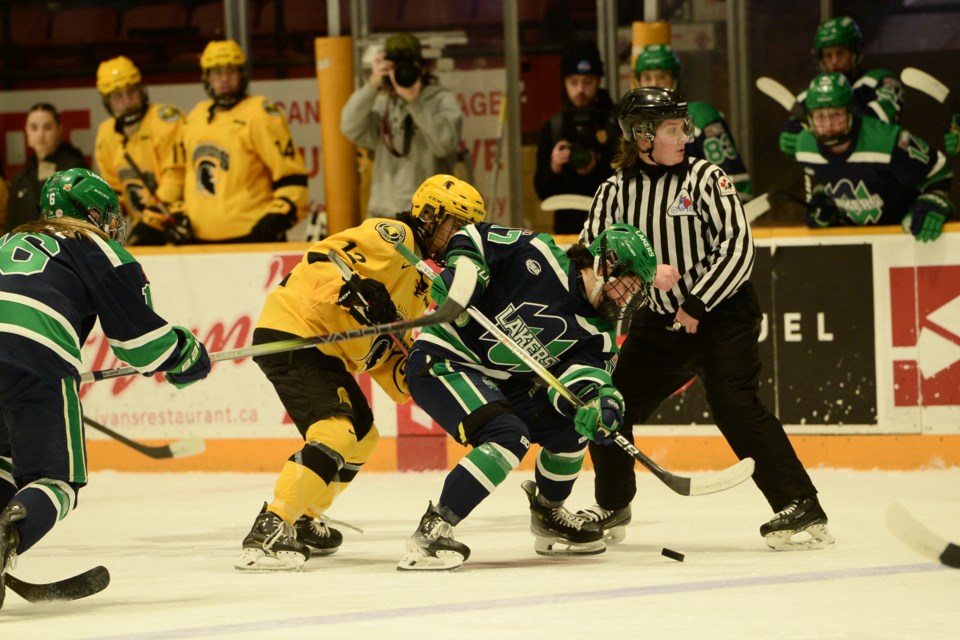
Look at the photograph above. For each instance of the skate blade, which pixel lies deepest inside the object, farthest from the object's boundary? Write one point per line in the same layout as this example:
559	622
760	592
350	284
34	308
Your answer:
257	560
813	537
615	535
546	546
420	561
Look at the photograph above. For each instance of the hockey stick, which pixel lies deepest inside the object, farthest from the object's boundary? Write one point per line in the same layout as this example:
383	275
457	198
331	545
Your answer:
756	207
918	537
75	587
782	96
179	449
684	485
346	272
926	83
566	201
444	313
182	232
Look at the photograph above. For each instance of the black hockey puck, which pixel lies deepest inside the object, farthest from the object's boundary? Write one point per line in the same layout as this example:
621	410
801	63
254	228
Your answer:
674	555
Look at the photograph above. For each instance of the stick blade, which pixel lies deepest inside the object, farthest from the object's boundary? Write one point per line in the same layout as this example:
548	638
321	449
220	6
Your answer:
756	207
82	585
923	81
911	532
721	480
187	447
773	89
566	201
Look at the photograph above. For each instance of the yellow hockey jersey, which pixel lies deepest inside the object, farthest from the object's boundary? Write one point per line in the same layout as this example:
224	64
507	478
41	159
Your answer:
306	303
155	148
242	164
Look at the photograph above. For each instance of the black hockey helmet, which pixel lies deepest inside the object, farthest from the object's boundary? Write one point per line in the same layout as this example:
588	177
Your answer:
641	110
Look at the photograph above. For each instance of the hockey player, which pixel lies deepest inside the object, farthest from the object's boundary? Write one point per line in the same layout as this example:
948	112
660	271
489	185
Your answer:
838	48
951	139
869	172
317	387
139	142
704	317
658	65
58	276
245	177
561	307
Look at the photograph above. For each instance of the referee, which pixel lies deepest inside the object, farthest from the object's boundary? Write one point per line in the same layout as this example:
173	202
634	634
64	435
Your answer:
704	318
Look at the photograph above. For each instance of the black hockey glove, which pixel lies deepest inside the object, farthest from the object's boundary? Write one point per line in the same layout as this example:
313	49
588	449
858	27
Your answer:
368	301
144	234
179	231
821	211
271	228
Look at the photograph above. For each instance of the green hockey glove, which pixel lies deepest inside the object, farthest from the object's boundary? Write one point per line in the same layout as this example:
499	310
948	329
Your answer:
927	215
192	365
601	416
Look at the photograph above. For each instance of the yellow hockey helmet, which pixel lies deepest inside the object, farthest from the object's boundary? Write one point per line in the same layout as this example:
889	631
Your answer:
117	73
222	53
441	197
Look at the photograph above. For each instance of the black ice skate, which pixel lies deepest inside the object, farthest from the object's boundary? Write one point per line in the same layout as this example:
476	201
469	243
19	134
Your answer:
432	547
272	545
560	533
801	516
613	521
321	538
9	540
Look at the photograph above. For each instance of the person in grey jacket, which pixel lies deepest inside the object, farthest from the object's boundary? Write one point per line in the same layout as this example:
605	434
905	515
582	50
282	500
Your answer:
409	123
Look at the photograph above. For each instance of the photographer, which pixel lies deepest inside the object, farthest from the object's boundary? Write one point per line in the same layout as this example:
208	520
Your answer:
576	147
408	123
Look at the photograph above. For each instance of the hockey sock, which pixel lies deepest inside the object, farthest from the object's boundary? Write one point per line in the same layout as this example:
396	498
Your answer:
556	473
7	486
480	472
46	501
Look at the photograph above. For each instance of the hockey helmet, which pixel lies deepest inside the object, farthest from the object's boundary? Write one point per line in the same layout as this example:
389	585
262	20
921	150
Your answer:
838	32
657	57
117	73
224	53
441	197
830	91
83	195
642	110
618	251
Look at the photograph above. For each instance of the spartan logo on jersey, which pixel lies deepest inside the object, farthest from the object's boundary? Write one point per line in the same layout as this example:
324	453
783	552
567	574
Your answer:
726	186
391	232
538	334
861	206
208	161
683	205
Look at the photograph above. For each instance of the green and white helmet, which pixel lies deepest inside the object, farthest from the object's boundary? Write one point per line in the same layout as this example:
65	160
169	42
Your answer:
830	91
838	32
83	195
620	250
657	57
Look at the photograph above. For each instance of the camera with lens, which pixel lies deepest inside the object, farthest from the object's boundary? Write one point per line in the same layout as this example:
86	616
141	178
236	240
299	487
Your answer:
406	69
586	130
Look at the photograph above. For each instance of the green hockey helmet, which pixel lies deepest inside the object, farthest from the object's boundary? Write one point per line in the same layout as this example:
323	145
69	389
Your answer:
83	195
838	32
830	91
618	251
642	110
657	56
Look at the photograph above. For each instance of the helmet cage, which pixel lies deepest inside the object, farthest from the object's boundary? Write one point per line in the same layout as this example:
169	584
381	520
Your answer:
622	257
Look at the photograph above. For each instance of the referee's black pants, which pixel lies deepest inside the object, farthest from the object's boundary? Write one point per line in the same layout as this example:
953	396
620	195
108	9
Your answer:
654	362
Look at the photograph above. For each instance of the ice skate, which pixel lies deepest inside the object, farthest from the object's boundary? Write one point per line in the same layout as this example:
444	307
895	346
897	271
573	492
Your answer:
803	517
613	521
318	536
432	547
9	540
560	533
272	545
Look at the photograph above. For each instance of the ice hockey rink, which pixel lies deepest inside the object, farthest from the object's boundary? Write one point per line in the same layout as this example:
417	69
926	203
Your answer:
169	541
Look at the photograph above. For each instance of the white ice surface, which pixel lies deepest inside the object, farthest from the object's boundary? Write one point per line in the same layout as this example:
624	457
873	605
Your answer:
170	541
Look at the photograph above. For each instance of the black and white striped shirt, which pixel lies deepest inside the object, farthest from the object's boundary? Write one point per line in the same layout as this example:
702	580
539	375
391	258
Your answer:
692	215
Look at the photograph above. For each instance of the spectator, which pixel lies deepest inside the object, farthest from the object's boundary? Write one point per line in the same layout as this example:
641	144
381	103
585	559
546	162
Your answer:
245	177
867	171
838	48
703	318
138	151
659	66
317	386
50	154
59	275
409	123
577	145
